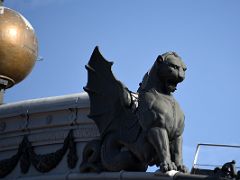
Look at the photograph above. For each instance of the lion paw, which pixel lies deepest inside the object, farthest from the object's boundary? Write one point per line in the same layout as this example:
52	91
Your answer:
182	168
167	166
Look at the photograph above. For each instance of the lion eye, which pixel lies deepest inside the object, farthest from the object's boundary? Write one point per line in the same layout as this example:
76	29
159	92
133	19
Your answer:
171	65
174	66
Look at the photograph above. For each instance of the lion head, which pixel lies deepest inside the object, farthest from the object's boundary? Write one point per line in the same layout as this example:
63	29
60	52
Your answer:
167	71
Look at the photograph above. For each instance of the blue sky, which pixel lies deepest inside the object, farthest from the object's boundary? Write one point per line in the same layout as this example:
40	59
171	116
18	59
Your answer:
206	34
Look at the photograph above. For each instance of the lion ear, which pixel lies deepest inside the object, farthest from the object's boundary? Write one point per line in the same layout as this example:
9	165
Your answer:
159	59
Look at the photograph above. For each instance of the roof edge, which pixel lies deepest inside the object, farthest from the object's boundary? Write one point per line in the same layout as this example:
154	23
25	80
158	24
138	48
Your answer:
78	100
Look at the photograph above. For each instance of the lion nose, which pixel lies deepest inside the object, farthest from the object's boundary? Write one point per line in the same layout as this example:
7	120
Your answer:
181	74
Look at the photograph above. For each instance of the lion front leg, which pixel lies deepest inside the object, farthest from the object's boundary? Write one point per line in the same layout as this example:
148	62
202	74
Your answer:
176	154
158	138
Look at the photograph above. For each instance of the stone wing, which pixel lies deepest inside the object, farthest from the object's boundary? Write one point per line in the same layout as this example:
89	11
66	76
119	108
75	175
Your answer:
108	98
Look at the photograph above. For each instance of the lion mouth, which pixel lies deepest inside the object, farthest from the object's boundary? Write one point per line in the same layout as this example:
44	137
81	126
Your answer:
171	85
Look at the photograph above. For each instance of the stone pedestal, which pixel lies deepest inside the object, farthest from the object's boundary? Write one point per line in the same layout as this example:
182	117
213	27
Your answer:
44	124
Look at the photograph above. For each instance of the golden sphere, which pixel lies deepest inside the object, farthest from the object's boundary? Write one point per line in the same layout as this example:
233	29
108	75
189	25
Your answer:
18	47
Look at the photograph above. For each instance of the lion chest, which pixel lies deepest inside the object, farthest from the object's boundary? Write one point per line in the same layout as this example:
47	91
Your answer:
166	113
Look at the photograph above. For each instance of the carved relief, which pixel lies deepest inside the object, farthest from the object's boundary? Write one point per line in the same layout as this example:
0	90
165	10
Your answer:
42	162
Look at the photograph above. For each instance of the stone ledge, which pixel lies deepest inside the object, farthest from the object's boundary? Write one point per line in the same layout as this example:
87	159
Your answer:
123	175
79	100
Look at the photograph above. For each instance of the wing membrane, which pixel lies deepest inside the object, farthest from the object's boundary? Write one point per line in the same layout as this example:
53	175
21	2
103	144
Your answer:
104	92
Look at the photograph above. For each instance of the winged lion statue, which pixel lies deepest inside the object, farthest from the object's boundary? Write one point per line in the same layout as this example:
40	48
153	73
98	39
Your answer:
137	129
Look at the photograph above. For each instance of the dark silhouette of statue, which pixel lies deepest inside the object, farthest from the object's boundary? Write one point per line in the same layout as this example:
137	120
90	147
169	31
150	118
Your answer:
136	129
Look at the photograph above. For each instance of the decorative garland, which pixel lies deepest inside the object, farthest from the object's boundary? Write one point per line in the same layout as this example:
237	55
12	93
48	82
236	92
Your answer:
42	162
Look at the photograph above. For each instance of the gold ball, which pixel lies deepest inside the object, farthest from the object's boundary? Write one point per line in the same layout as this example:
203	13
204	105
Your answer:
18	47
